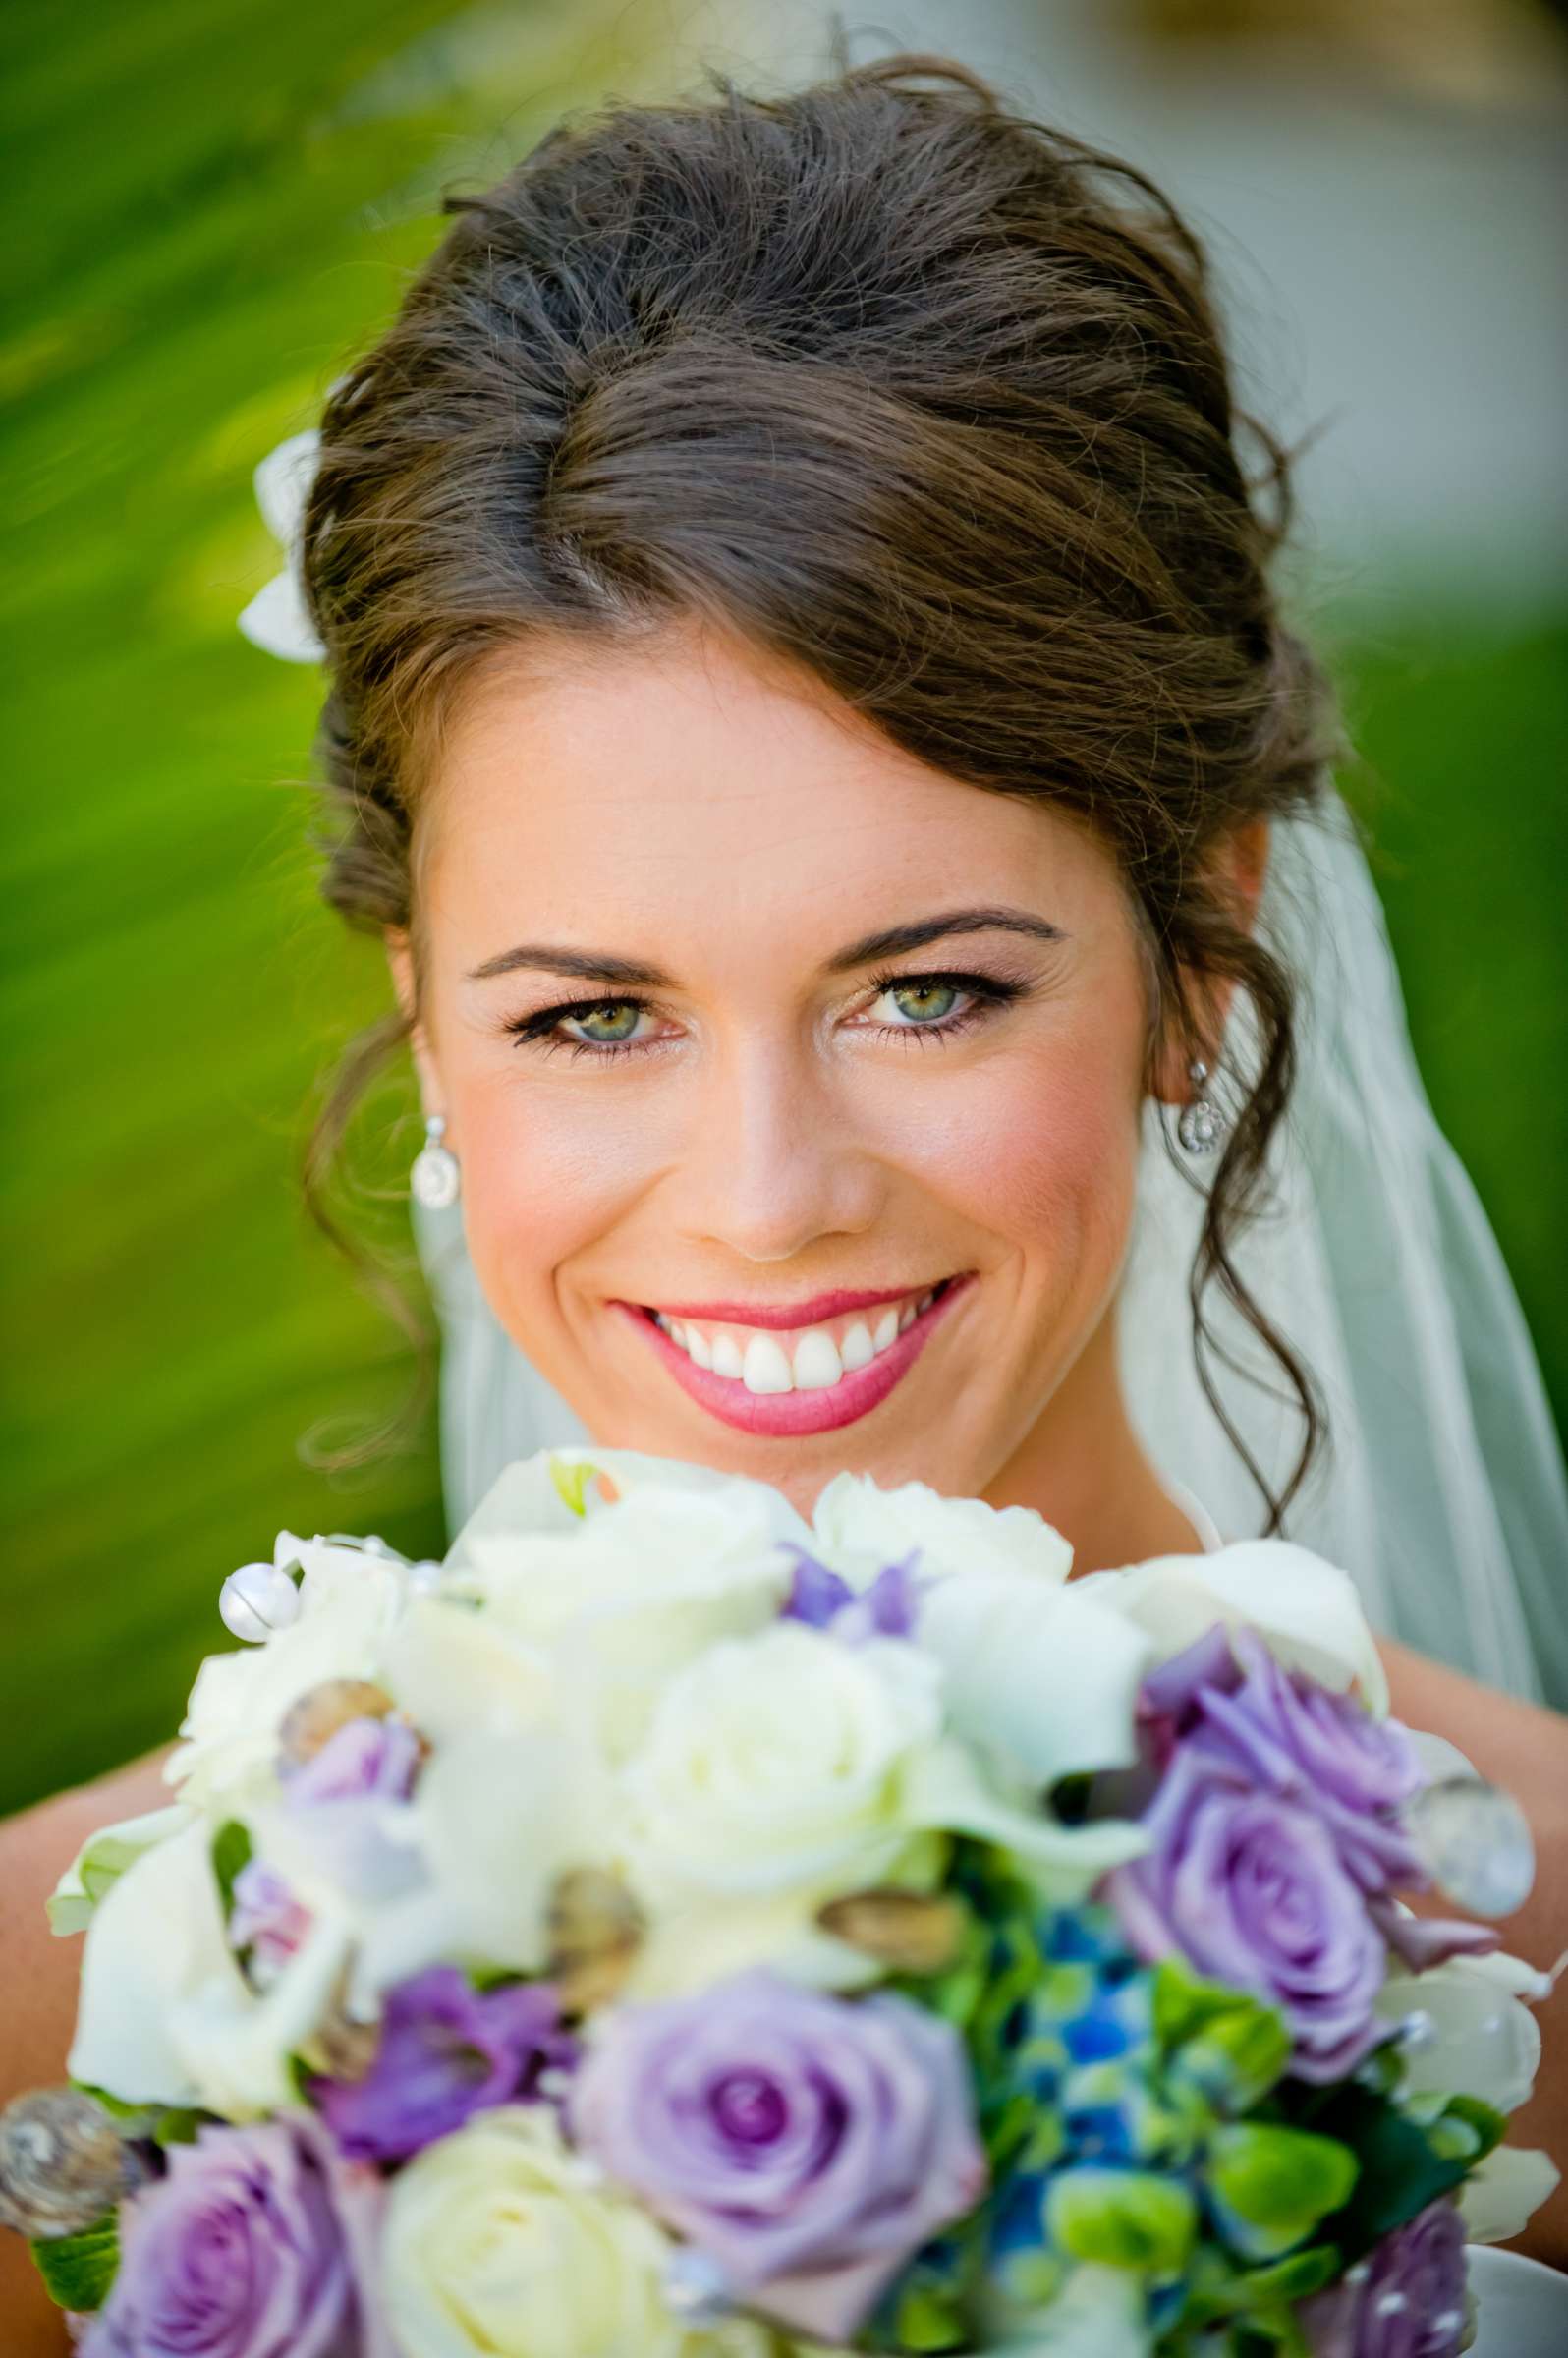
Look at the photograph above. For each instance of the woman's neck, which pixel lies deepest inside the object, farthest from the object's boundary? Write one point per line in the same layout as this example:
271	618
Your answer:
1084	1470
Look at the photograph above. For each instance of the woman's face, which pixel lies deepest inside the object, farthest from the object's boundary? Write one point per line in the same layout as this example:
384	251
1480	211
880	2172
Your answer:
796	1086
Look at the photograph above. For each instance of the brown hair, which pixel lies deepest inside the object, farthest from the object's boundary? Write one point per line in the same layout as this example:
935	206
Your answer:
924	395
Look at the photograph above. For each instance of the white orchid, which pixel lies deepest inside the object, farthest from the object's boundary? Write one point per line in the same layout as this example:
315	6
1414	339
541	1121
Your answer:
278	618
165	2016
858	1528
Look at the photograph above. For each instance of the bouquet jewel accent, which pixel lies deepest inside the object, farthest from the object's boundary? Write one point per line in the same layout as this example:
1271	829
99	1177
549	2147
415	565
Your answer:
671	1928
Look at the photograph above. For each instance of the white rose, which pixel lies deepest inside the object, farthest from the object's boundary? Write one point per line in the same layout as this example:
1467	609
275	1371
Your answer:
500	2240
858	1528
617	1600
453	1671
779	1762
1305	1609
1047	1676
350	1600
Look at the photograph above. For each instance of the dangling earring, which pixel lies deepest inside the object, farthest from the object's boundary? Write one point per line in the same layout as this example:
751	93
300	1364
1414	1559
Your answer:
437	1175
1202	1125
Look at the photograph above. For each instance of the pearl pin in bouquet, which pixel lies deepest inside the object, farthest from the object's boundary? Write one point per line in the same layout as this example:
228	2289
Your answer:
668	1927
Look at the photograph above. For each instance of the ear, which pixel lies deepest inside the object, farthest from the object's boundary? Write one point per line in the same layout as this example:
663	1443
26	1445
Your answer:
1239	868
400	960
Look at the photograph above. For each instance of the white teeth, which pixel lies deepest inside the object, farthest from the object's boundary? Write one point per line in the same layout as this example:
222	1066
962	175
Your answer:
858	1348
764	1368
816	1362
763	1362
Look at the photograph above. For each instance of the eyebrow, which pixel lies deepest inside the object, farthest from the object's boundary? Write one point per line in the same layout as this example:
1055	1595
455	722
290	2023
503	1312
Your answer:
891	941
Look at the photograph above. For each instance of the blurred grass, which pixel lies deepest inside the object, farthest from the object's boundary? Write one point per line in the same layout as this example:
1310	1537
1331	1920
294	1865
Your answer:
1462	726
208	208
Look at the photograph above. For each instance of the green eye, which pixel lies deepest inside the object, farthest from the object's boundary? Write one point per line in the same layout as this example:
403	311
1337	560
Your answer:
924	1002
611	1020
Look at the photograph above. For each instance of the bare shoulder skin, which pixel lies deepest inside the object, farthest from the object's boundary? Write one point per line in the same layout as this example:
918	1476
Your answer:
39	1992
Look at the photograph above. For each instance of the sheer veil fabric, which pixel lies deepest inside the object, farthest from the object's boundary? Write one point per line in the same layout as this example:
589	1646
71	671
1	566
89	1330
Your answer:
1442	1488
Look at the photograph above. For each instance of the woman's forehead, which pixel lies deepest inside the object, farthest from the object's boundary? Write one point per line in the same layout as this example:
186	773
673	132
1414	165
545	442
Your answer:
697	784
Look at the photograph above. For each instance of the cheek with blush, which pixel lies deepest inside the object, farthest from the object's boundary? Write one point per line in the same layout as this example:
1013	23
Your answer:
545	1181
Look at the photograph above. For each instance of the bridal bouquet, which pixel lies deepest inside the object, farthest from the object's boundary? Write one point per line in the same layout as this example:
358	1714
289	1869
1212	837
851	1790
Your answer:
670	1929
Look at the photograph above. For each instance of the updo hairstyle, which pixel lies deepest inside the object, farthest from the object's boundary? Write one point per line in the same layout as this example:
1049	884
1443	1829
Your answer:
926	396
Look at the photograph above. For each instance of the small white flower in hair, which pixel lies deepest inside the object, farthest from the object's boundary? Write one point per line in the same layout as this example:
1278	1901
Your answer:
277	619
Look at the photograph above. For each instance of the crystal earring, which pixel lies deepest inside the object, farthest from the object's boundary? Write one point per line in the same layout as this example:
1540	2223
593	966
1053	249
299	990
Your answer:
1202	1125
437	1175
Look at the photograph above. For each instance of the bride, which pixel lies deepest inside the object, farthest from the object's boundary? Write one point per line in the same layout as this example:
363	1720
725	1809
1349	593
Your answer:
891	982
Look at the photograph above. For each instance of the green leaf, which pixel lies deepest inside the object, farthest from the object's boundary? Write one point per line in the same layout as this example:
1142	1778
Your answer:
231	1852
1224	2043
169	2124
101	1861
1122	2218
1404	2164
1272	2186
927	2320
79	2270
1221	2290
571	1481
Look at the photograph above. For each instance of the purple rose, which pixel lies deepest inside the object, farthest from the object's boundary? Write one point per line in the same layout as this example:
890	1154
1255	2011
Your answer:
806	2144
266	1919
446	2049
1227	1696
1295	1737
1250	1887
347	1802
824	1600
1405	2300
363	1759
253	2245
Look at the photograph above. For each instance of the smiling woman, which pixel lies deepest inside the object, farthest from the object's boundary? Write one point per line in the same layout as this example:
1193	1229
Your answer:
811	726
869	1043
774	535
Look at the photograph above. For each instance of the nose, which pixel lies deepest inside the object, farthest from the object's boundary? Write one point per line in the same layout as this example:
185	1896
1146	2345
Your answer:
771	1164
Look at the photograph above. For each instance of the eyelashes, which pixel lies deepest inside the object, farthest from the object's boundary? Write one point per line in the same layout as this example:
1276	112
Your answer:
988	996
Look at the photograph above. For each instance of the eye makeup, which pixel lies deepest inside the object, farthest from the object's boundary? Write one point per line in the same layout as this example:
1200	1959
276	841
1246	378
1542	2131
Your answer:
986	994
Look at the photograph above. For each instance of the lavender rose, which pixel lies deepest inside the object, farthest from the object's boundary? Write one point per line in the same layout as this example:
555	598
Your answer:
251	2246
1251	1888
1405	2300
364	1759
446	2051
266	1919
824	1600
1227	1696
806	2145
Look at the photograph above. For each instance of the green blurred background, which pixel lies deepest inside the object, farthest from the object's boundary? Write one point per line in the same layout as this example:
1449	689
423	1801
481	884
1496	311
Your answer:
209	203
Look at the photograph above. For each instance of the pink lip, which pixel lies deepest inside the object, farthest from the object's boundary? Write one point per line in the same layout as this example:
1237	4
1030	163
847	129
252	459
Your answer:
810	1312
786	1416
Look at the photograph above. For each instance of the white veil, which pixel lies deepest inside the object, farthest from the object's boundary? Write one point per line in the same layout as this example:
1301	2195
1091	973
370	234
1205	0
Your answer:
1442	1489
